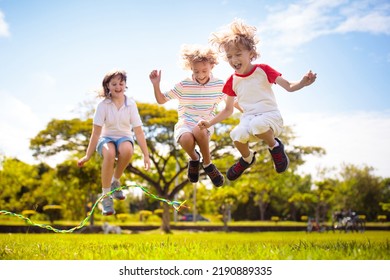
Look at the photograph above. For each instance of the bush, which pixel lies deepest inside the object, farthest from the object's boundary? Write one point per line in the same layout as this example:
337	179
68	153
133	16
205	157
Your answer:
53	211
381	218
144	215
28	213
158	212
123	217
304	218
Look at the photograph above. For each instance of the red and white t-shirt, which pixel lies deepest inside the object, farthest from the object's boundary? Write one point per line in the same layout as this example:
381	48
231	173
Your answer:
254	90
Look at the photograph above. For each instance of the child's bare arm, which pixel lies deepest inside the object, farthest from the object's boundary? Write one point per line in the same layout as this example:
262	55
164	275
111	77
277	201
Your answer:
225	113
307	80
140	136
155	78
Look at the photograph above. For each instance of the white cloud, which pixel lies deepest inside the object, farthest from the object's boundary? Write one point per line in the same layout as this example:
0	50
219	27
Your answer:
364	18
18	124
359	138
4	31
304	21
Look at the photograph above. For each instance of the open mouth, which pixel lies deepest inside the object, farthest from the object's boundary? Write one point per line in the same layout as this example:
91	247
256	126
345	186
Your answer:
237	66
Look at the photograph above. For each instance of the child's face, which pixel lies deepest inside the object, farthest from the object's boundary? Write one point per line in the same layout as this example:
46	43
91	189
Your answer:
239	58
116	86
201	71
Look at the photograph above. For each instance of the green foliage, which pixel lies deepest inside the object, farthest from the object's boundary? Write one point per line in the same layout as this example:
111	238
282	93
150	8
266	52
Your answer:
19	186
62	135
359	190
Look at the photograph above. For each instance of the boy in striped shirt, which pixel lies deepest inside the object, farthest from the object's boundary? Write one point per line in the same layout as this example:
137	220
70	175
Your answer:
198	99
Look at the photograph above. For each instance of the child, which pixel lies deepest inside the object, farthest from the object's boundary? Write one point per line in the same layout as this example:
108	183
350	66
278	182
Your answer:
251	86
115	119
198	98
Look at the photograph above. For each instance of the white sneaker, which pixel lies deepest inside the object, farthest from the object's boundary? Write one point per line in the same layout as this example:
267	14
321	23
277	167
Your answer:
117	194
108	206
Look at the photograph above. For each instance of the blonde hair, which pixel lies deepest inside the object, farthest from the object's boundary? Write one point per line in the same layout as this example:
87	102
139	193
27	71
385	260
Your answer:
105	92
197	53
237	34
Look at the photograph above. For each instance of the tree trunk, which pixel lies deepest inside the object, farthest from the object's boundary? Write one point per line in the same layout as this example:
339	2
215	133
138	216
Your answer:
166	218
262	208
226	217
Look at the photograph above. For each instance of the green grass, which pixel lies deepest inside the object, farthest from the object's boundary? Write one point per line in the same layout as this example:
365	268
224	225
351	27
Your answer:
371	245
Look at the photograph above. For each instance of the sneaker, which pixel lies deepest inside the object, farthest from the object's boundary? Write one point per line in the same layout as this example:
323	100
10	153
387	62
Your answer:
238	168
108	206
193	169
214	174
279	157
117	194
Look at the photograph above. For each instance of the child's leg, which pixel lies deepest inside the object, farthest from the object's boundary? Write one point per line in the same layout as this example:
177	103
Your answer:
266	128
240	136
202	138
125	152
247	159
108	153
243	148
187	142
268	137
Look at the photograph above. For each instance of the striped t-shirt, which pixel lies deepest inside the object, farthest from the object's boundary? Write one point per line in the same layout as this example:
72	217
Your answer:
196	102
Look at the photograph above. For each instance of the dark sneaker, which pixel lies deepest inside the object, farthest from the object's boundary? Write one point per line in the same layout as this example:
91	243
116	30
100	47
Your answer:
108	206
214	174
193	169
117	194
279	157
239	167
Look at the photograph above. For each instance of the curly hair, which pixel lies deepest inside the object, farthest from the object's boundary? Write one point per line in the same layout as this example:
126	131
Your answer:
105	92
197	53
237	34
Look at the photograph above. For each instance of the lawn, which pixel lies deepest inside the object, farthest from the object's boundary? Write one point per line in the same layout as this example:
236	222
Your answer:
184	245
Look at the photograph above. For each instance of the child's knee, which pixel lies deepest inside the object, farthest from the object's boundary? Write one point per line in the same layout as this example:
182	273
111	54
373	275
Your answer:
239	134
125	149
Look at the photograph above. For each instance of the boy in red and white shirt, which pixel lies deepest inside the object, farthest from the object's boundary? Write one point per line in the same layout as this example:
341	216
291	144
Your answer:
251	87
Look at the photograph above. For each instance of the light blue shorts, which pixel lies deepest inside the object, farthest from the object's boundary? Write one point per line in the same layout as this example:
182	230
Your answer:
104	140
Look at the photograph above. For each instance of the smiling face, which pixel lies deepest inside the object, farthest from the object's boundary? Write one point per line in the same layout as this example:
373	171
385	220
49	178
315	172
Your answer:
201	71
116	86
239	58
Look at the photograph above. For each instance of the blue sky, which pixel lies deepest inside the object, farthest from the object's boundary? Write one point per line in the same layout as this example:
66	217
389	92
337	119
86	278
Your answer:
54	54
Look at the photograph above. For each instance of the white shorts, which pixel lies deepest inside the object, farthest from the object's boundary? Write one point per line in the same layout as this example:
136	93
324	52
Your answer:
250	125
180	130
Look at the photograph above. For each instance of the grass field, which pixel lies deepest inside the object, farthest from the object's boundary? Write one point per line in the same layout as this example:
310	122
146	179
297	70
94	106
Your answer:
370	245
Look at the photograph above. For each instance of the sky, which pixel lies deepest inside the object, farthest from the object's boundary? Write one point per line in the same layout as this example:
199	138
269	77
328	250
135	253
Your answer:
54	55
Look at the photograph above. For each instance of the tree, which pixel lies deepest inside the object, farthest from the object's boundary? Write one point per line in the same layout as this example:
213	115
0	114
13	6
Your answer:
359	190
19	184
